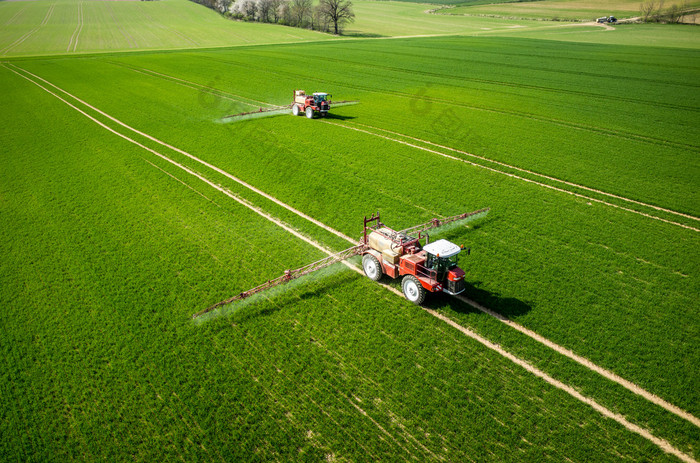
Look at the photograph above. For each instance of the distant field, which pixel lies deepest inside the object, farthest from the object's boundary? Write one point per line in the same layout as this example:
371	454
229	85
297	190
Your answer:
73	26
42	27
558	9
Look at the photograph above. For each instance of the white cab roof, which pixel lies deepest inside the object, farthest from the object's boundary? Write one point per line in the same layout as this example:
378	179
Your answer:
442	248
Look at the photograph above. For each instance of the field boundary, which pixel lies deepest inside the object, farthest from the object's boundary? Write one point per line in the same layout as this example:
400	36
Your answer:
661	443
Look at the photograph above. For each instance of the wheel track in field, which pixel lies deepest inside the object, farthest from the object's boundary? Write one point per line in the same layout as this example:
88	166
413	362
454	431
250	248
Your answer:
239	98
12	19
561	190
24	37
530	172
216	169
77	31
661	443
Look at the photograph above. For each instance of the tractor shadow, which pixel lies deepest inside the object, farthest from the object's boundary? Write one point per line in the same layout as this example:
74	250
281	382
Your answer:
339	117
508	307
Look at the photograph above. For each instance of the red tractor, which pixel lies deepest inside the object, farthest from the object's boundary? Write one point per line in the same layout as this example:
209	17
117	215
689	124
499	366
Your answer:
430	268
311	104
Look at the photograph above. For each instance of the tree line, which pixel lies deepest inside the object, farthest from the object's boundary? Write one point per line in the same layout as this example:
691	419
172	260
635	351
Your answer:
655	11
327	16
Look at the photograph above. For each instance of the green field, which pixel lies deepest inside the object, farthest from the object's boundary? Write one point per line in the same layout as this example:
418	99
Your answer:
583	142
74	26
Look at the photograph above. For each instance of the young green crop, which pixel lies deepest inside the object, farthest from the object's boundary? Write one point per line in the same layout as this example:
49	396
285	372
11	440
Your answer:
111	249
71	26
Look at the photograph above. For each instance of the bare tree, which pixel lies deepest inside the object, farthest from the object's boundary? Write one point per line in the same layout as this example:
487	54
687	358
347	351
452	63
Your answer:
285	13
300	11
338	12
650	10
319	21
265	7
222	6
275	9
248	8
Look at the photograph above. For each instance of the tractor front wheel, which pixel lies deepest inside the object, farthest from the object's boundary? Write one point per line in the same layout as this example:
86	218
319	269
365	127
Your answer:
372	267
295	110
310	112
413	289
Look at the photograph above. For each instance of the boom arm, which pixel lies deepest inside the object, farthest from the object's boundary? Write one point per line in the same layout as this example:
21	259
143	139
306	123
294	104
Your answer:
440	222
289	275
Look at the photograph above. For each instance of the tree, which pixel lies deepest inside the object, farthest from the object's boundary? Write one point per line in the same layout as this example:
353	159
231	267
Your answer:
300	11
222	6
319	21
650	10
276	9
338	12
249	8
265	7
285	13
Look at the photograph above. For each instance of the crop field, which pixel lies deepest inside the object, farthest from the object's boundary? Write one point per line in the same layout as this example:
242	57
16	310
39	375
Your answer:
69	27
129	202
41	27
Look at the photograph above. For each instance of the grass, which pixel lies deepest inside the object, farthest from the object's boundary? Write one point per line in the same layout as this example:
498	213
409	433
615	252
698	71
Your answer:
109	249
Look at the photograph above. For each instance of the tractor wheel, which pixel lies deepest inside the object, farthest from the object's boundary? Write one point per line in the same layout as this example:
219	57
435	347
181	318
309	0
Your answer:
310	112
413	290
372	267
295	110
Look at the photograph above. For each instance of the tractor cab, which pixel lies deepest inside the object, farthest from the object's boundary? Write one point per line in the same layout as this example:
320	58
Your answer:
441	257
321	97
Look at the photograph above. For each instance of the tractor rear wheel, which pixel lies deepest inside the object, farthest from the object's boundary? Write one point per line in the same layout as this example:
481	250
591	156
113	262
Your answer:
413	289
295	110
310	112
372	267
